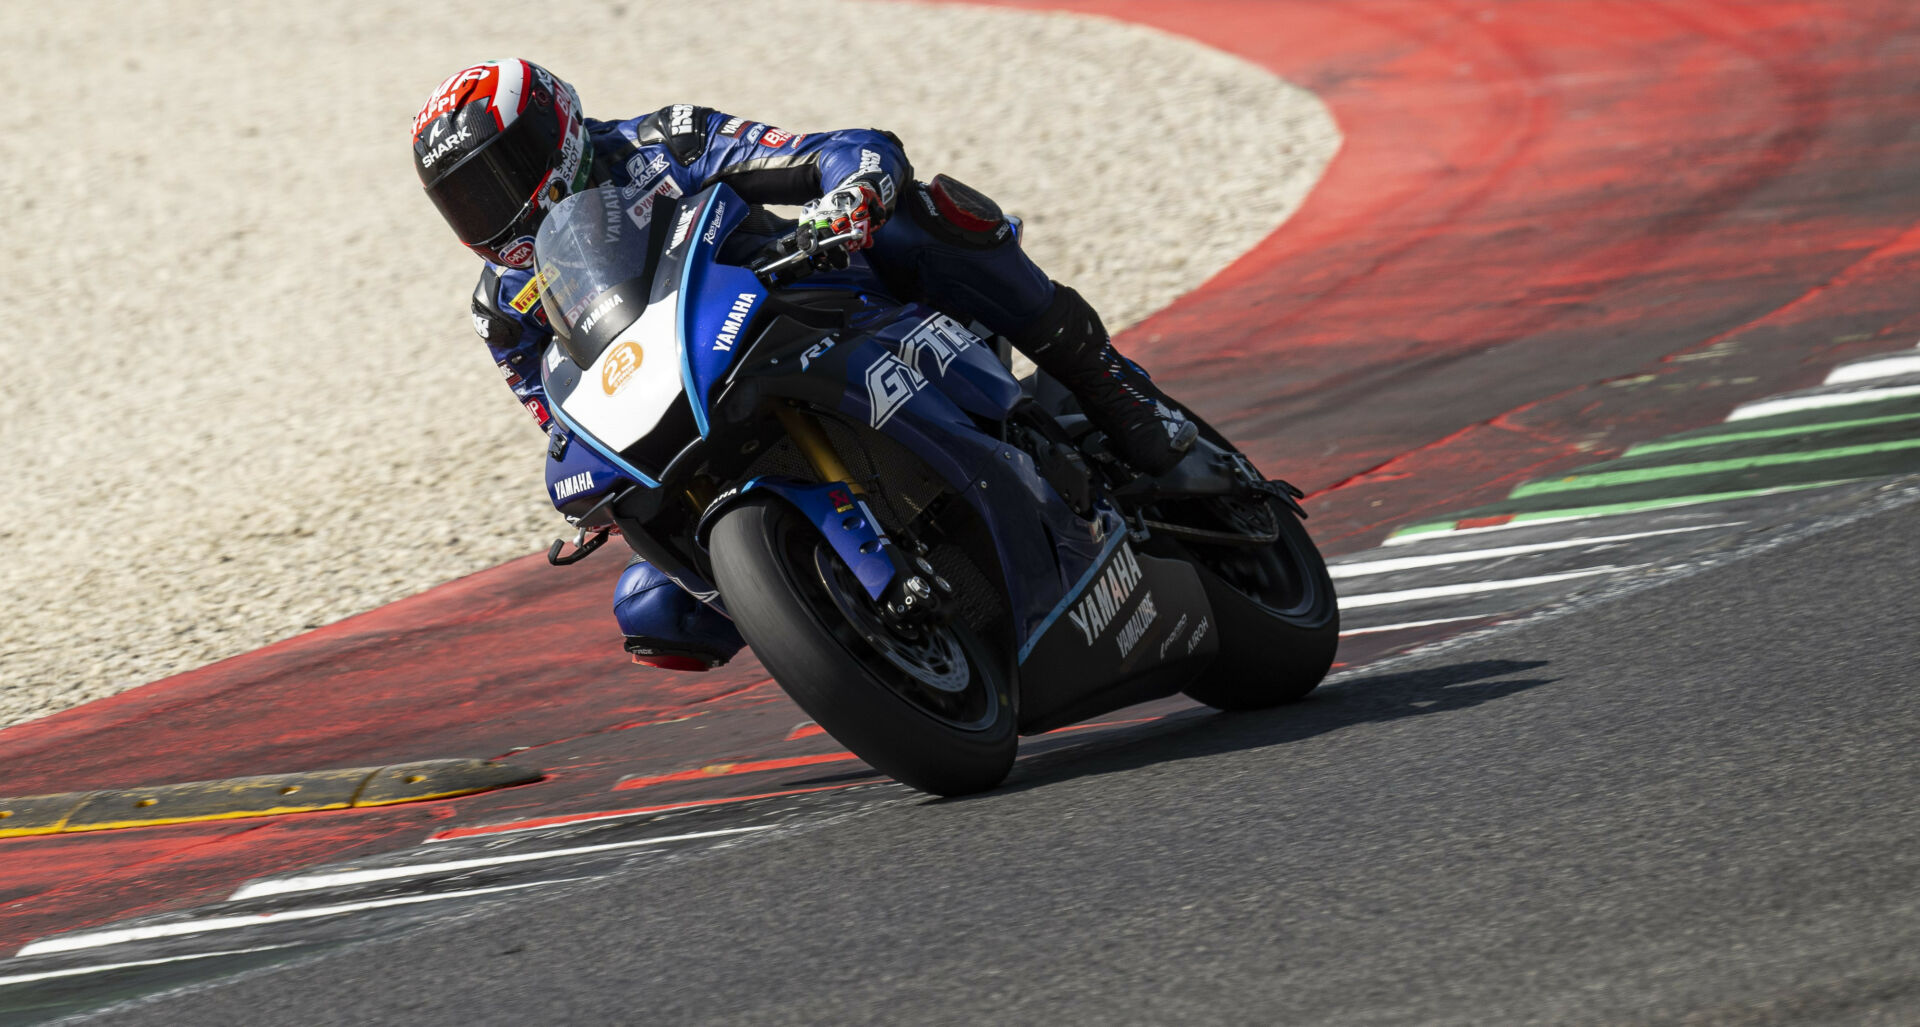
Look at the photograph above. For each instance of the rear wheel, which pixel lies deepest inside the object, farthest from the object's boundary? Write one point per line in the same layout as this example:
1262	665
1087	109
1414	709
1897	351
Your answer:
1279	621
929	706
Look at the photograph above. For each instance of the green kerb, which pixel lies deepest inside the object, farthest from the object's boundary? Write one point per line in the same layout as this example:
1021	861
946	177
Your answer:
1644	474
1663	445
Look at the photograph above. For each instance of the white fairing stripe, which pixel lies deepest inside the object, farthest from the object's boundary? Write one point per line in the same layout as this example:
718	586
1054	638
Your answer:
625	417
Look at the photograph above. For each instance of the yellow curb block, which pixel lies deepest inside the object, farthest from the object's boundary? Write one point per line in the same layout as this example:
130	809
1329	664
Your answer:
264	796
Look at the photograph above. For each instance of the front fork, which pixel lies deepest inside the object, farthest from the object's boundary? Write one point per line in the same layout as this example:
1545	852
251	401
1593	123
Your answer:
917	594
812	443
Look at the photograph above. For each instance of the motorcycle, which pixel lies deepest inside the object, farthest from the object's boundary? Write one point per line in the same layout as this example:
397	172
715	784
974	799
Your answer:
930	556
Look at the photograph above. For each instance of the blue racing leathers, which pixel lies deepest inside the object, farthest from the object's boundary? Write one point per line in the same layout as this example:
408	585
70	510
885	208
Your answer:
945	245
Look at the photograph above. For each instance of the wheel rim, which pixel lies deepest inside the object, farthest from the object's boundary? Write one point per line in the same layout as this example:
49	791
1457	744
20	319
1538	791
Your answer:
930	670
932	657
1276	576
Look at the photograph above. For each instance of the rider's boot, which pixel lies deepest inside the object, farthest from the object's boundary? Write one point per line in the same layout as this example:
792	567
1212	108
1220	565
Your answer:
668	628
1144	428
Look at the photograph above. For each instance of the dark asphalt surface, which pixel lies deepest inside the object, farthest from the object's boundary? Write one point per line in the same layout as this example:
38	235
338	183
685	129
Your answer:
1696	804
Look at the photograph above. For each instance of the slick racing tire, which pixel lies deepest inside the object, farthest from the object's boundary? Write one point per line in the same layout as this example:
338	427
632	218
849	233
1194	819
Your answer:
1278	617
930	708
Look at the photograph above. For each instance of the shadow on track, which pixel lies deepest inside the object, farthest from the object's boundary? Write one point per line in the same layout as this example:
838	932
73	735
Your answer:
1204	732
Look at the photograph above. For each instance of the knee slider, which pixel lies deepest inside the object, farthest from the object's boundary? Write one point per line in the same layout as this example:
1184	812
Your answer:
957	213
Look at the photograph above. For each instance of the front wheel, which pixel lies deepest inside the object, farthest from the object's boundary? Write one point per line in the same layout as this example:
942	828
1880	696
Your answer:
929	707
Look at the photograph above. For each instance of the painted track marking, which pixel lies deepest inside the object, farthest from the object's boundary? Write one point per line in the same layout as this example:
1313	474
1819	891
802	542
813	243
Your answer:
120	936
1445	529
1867	370
347	878
1470	588
1665	445
77	971
1409	625
571	819
714	770
1407	563
1794	404
1602	479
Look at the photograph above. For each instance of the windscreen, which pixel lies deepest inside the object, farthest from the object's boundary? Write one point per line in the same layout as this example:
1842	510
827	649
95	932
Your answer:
595	269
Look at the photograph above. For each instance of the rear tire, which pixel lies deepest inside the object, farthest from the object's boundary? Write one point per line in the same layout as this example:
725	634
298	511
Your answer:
1279	619
934	712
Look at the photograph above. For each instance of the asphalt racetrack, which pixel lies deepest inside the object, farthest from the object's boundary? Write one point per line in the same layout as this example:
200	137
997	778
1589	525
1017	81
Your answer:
1594	349
1690	805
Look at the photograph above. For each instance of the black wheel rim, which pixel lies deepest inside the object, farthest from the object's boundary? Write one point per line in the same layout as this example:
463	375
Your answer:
933	669
1276	577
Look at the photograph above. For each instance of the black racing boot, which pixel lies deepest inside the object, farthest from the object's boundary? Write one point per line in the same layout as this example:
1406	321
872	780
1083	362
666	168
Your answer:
1144	427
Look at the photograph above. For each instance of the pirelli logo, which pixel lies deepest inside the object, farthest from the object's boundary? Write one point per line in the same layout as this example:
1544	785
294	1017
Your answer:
529	295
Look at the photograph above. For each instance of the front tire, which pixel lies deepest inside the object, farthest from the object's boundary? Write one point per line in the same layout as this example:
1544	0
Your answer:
933	711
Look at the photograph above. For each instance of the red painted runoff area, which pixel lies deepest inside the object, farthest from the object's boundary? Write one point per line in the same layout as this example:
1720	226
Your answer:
1556	227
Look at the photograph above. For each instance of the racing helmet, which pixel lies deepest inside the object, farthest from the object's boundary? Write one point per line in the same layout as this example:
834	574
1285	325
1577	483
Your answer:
496	146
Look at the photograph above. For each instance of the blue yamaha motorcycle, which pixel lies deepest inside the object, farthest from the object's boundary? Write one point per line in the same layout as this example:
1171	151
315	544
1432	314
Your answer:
930	556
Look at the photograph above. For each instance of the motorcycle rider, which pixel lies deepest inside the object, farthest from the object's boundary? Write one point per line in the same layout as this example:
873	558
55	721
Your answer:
500	143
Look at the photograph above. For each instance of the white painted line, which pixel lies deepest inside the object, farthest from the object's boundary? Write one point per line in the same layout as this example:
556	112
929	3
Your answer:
1867	370
1662	506
1407	563
1429	536
1469	588
1414	624
345	878
76	971
1795	404
120	936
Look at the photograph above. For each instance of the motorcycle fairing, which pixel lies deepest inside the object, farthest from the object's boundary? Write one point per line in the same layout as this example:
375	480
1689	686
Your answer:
627	392
718	300
577	476
647	373
560	382
1043	547
1139	643
1138	623
841	516
930	349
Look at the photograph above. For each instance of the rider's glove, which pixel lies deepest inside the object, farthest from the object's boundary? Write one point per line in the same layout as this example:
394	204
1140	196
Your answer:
853	206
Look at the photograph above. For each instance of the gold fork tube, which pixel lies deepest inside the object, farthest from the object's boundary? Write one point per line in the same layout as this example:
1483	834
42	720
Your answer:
813	444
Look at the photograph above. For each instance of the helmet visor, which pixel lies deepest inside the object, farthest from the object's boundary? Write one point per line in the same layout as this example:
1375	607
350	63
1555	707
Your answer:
485	193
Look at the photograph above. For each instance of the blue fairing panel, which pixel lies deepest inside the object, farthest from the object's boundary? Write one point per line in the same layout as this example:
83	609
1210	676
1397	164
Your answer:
717	301
841	516
576	472
934	353
1044	548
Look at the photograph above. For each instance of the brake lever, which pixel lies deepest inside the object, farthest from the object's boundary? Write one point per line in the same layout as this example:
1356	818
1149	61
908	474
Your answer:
583	547
809	255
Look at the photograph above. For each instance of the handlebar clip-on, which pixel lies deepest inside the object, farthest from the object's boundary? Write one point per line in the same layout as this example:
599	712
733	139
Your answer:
805	250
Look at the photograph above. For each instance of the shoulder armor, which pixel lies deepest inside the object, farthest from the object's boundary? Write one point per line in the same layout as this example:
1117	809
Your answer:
681	128
492	324
486	294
